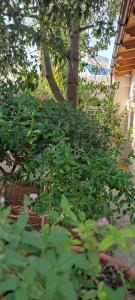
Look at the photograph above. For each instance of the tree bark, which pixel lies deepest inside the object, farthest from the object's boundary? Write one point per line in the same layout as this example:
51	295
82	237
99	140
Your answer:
42	65
5	173
51	80
73	65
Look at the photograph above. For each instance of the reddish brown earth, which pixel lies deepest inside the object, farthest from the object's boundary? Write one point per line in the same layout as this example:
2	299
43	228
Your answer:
14	197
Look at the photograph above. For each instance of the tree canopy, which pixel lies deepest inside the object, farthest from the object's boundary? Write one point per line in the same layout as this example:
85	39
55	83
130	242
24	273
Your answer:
64	32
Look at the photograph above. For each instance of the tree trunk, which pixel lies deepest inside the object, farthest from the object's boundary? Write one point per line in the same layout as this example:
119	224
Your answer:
42	65
73	65
51	80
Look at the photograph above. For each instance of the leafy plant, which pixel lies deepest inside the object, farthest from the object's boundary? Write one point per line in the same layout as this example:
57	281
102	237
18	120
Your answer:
28	126
43	265
68	152
97	98
42	92
94	183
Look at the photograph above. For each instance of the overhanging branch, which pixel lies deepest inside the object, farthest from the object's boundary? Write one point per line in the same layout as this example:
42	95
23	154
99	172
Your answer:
83	28
14	166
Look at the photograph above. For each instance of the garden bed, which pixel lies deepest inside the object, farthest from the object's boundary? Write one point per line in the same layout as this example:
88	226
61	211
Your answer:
15	192
14	195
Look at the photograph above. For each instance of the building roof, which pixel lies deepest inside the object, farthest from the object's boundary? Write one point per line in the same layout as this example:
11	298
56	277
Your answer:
123	59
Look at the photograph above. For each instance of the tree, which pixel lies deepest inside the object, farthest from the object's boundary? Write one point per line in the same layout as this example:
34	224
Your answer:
13	57
60	30
64	27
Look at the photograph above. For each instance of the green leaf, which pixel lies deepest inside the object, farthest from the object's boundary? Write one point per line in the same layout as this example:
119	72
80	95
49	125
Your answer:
58	236
35	292
29	274
27	200
120	293
21	294
65	204
51	286
81	262
88	295
106	293
9	297
67	289
65	261
66	207
107	243
13	258
10	284
43	266
33	238
21	222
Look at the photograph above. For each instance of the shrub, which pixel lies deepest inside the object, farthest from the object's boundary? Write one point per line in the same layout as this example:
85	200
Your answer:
43	91
99	97
93	181
64	151
43	265
28	126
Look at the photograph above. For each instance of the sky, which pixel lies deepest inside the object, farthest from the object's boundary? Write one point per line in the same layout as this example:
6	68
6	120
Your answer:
108	53
105	53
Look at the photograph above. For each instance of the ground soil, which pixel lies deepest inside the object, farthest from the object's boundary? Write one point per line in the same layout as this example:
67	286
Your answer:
14	196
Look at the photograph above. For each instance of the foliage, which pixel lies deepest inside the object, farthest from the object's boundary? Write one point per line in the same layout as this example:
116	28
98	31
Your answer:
47	25
68	152
13	57
92	93
44	266
59	19
97	97
28	126
94	184
42	92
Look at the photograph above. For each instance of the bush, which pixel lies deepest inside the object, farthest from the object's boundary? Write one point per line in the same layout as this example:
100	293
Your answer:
99	98
94	183
28	126
43	265
43	91
65	152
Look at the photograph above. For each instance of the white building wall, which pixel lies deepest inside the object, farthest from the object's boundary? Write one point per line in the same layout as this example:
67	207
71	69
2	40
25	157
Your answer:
122	93
122	98
125	98
132	117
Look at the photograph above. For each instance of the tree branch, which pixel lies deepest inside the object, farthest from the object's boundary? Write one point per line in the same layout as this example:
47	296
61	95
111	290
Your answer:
51	80
15	164
14	167
83	28
3	171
